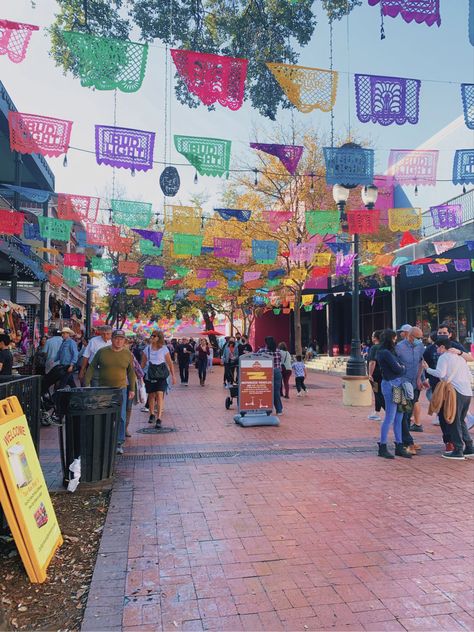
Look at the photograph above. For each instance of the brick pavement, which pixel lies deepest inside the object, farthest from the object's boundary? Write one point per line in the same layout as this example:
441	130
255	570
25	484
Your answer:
299	527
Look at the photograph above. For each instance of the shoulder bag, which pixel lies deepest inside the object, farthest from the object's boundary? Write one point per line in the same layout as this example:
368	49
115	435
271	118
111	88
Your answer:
156	372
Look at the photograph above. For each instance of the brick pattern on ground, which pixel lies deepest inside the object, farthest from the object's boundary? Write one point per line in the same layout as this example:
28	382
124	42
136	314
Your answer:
339	540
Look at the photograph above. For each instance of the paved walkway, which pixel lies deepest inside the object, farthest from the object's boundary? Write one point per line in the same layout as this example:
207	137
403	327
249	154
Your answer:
301	527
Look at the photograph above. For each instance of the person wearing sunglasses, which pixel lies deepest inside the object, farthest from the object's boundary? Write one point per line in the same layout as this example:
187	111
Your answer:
157	365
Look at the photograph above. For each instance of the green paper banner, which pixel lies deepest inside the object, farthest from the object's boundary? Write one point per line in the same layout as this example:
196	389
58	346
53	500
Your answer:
323	222
147	248
367	270
72	277
154	284
52	228
166	295
181	271
101	265
210	156
184	244
131	214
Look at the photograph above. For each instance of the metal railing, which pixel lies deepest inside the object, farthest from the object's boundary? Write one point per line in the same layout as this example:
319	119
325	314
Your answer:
466	200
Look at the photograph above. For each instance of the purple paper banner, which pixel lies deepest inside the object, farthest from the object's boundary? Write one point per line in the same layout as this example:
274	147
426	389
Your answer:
387	100
289	155
226	247
415	167
154	236
419	10
437	267
446	215
203	273
344	263
124	148
303	252
370	293
154	272
462	265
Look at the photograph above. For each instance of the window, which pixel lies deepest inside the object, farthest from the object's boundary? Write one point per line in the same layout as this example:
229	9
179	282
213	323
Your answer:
429	294
447	292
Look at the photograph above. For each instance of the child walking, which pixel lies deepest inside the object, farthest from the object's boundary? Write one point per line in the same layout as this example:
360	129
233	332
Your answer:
299	369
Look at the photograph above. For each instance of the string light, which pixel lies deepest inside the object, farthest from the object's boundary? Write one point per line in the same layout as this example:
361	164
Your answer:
65	160
196	180
256	176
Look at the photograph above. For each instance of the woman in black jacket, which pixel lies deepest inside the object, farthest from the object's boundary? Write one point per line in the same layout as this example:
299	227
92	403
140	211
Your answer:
392	372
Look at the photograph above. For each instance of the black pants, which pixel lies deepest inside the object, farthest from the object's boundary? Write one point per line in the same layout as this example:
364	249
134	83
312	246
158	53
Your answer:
202	368
457	432
184	371
378	398
406	436
300	385
58	373
229	373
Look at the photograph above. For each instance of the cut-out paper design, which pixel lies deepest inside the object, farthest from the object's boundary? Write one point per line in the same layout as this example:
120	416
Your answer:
72	277
374	247
153	235
419	10
154	283
133	280
14	39
349	165
52	228
132	292
212	78
323	222
234	213
11	223
390	270
363	222
307	88
344	263
35	134
180	219
35	195
387	100
276	218
128	267
147	293
471	22
303	252
437	267
242	259
289	155
414	270
264	251
101	264
79	208
443	246
154	272
403	219
136	214
166	295
102	234
56	279
74	260
322	259
227	247
370	293
462	265
467	94
252	275
417	166
212	284
407	239
170	181
147	248
323	271
443	260
124	147
181	271
383	260
122	245
446	215
210	156
107	63
339	246
30	231
463	166
186	244
203	273
367	270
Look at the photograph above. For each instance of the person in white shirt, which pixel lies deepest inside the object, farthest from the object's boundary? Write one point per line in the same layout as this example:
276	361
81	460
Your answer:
104	339
451	367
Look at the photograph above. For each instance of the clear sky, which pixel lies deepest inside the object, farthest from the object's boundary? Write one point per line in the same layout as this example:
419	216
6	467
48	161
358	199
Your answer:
441	57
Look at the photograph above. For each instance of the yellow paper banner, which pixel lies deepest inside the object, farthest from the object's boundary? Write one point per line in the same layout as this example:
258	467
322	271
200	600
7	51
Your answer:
307	88
183	219
403	219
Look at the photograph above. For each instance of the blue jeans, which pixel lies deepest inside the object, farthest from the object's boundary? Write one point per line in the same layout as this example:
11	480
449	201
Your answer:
277	379
392	416
123	416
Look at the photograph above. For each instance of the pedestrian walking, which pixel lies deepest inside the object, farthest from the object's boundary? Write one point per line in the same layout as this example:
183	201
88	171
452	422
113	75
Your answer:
230	360
392	371
202	354
270	348
285	370
65	362
157	366
375	376
184	351
103	339
51	349
299	369
114	365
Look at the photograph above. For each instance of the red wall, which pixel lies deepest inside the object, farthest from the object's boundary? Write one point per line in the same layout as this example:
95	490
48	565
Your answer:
270	324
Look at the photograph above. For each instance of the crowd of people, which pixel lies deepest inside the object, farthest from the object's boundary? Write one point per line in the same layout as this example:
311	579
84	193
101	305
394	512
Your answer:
401	368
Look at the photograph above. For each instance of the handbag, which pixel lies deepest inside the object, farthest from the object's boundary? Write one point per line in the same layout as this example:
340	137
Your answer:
156	372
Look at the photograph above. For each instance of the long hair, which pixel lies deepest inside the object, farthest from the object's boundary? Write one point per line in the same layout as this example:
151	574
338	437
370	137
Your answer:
160	339
386	339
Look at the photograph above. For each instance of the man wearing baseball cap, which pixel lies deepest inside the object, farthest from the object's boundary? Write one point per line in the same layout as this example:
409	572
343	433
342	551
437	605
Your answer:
114	365
403	331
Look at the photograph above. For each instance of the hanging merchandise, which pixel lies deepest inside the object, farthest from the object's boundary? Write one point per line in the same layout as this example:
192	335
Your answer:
403	219
275	219
35	134
417	166
124	147
14	39
102	235
210	156
363	222
147	248
463	173
443	246
152	235
170	181
128	267
414	270
387	100
79	208
11	223
264	251
185	244
289	155
105	63
227	247
52	228
467	94
74	260
462	265
419	10
212	78
307	88
349	165
179	219
302	252
344	263
132	214
446	215
323	222
234	213
102	265
407	239
72	277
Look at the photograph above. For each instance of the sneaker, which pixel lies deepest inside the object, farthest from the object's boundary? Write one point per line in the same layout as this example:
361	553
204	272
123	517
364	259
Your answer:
158	423
120	449
144	409
374	417
469	451
416	428
298	394
151	419
455	455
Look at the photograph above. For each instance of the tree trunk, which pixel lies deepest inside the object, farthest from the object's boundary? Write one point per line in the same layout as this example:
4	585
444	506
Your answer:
297	322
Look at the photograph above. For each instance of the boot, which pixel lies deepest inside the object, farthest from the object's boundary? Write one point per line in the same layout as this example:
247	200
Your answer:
400	450
383	452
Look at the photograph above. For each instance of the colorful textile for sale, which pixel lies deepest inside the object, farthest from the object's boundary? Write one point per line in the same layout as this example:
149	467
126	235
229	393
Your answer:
212	78
307	88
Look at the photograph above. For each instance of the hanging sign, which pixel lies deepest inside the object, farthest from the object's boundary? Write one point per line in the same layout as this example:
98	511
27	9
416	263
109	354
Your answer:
387	100
255	383
79	208
210	156
14	39
124	147
24	495
170	181
35	134
349	165
289	155
307	88
132	214
417	166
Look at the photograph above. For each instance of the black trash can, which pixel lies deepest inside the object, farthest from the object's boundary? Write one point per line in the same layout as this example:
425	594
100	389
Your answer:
92	418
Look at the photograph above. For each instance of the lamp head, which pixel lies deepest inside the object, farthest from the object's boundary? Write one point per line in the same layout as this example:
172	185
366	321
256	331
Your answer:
340	194
369	195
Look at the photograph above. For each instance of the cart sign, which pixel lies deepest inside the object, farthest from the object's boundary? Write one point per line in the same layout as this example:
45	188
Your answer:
256	383
23	493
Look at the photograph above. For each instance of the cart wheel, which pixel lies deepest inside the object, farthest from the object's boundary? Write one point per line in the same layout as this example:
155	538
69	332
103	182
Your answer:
269	412
228	402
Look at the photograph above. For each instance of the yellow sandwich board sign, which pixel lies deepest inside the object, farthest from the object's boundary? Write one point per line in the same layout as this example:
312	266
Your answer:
23	493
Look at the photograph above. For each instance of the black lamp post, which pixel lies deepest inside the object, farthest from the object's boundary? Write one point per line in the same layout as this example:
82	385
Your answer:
356	364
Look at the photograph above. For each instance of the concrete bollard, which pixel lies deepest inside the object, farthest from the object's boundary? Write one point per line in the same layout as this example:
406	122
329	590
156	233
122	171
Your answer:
356	391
